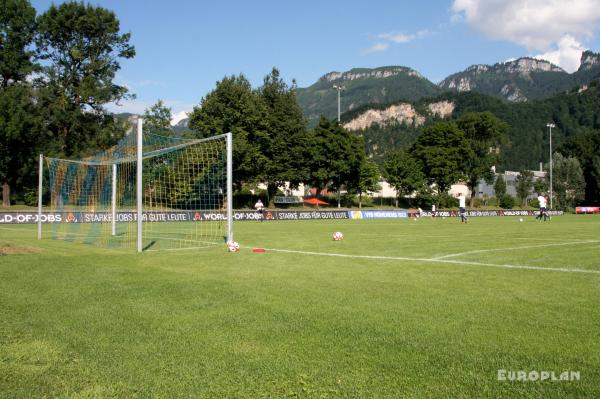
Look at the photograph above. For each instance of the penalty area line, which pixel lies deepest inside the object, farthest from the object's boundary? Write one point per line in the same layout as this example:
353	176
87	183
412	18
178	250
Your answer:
437	260
479	251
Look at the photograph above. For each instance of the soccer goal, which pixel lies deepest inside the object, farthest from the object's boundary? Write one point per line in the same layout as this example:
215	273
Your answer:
149	192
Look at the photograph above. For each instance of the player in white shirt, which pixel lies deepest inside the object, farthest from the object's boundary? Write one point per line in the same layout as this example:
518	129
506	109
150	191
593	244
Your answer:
543	212
461	208
260	208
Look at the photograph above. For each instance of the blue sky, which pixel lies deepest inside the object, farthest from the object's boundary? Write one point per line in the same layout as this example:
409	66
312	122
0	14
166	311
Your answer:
184	47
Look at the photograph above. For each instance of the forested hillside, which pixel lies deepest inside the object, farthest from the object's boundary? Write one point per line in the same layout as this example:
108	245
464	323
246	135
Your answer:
362	86
573	113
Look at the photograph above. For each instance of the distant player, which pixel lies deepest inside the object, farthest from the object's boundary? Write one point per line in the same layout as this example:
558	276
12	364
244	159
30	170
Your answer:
260	209
543	212
461	208
547	213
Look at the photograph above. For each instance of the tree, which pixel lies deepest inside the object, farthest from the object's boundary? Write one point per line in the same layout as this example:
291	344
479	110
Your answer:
442	149
524	182
540	186
21	130
586	148
21	134
81	46
404	173
484	133
158	118
234	107
285	147
367	179
335	155
567	181
17	28
499	187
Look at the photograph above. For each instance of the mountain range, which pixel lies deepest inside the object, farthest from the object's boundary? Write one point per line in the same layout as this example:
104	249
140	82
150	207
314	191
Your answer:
519	80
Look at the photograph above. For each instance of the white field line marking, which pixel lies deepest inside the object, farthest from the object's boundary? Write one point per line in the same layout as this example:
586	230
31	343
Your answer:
179	249
435	260
13	229
515	248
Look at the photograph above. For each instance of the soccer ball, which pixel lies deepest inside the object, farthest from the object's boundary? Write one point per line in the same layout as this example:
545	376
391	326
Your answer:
233	246
520	219
338	236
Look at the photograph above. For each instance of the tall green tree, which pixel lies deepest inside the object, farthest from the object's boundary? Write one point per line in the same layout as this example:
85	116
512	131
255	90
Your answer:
285	149
366	180
442	149
484	133
567	181
499	187
586	148
157	118
335	155
81	47
17	29
523	185
234	107
540	186
404	173
21	129
21	133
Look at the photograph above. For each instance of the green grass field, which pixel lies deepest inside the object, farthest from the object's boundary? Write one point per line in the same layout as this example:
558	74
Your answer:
425	309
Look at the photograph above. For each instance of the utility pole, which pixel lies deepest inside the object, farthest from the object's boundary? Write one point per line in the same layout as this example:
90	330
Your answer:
339	89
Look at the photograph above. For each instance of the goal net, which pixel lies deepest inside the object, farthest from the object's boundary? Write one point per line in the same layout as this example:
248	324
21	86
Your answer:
167	193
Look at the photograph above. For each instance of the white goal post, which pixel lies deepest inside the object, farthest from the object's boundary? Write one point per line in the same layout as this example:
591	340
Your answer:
148	192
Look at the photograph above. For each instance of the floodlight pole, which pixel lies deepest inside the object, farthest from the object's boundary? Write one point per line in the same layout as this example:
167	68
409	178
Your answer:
550	126
40	192
339	89
140	146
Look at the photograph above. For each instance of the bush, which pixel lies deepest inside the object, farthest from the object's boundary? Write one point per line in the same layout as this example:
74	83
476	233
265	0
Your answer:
351	201
507	201
30	197
445	200
481	202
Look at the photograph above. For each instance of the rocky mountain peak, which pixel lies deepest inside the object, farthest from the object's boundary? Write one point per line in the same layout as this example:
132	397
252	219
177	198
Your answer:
478	68
379	73
526	65
398	113
589	60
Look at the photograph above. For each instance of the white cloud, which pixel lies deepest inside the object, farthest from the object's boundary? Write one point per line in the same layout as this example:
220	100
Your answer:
397	37
555	27
376	48
394	38
178	117
567	56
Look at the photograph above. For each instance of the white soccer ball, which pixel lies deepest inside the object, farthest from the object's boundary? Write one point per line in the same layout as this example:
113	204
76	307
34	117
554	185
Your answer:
338	236
233	246
520	219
